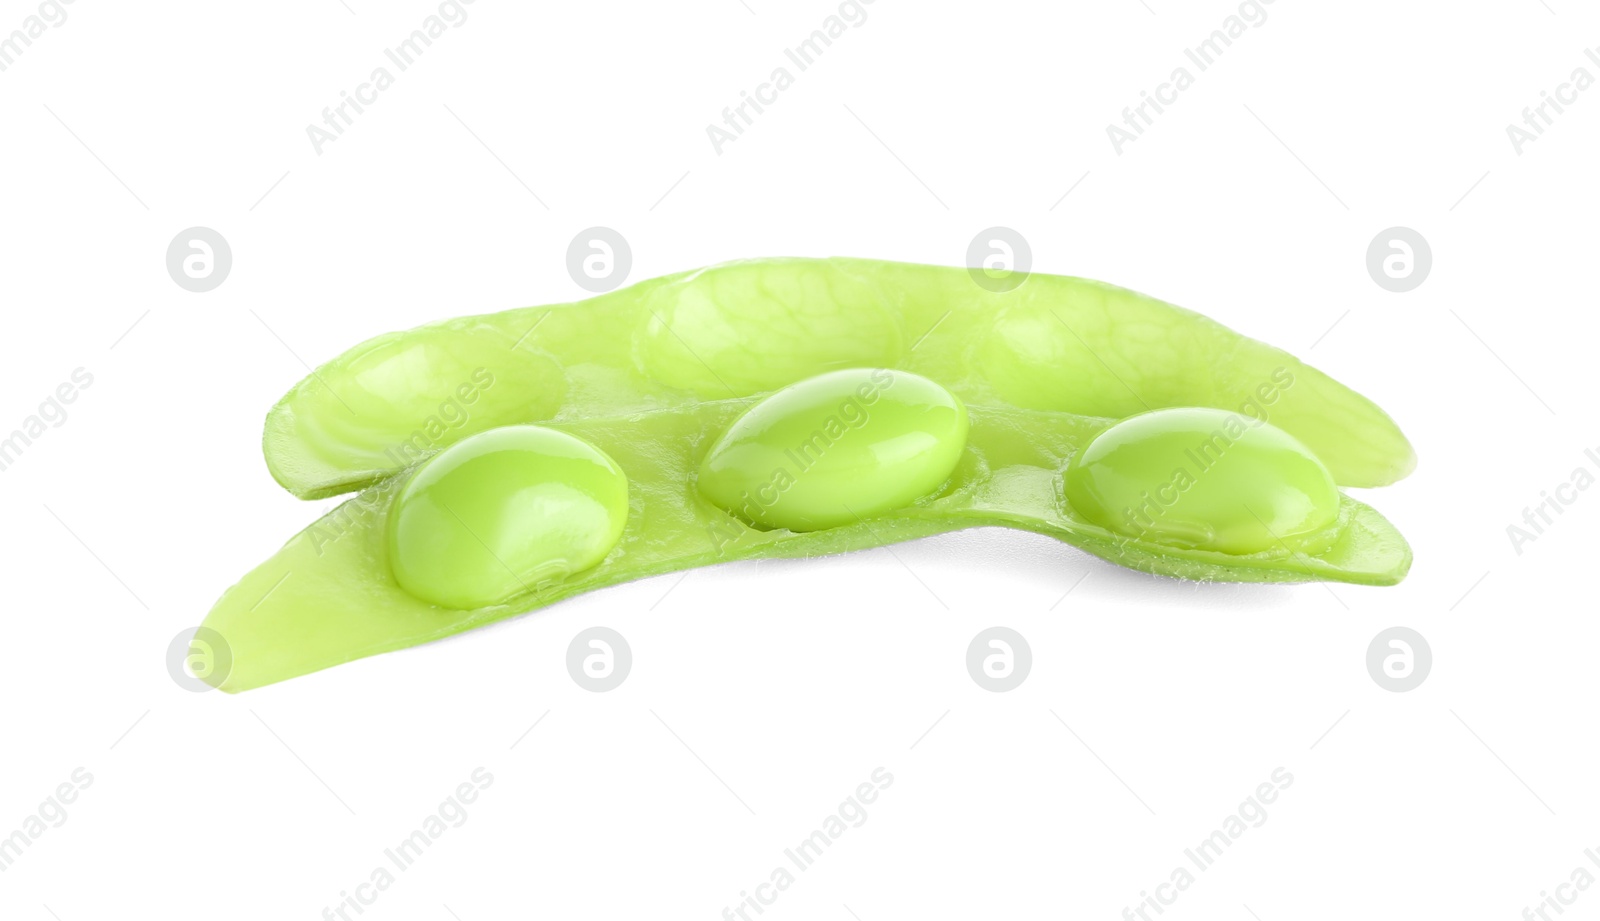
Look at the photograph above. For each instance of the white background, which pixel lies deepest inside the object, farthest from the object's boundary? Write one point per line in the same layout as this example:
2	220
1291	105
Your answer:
763	693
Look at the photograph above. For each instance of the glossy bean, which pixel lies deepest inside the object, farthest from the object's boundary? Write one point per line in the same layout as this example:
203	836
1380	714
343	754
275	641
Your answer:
836	448
491	517
1204	479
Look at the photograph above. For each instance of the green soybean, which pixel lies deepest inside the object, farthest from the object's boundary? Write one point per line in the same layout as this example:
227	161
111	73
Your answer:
836	448
1204	479
491	517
